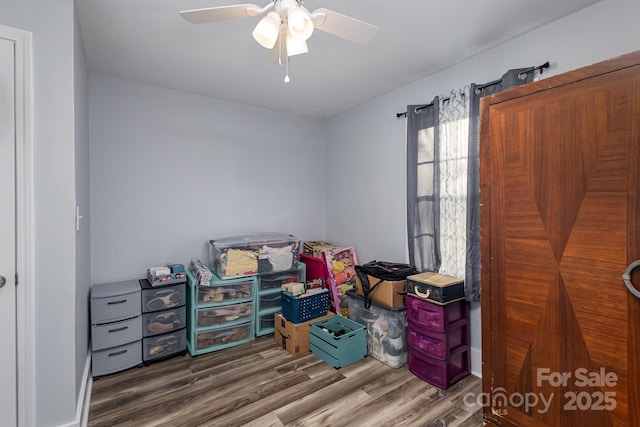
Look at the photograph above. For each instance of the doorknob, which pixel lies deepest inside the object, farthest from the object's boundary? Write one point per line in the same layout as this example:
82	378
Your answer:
3	280
627	278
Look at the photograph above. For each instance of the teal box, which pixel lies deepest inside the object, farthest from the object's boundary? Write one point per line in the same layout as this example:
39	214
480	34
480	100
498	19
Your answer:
338	341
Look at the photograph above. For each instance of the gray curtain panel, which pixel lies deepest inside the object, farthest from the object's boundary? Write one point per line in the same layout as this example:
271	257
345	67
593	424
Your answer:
510	79
423	220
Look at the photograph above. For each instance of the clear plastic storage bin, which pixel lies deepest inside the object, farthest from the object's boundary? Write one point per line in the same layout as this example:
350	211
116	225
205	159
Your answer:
386	329
164	321
217	339
251	254
224	314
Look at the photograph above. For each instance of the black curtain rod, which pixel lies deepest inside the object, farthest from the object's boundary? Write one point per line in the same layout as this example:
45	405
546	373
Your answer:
539	68
479	88
420	107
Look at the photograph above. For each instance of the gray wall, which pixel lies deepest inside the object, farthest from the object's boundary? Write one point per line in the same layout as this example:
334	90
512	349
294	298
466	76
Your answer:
52	25
170	170
371	137
83	259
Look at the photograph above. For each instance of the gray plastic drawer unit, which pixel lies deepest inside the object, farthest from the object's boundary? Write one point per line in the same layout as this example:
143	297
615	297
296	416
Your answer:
111	302
162	298
116	359
160	346
159	322
116	333
164	321
116	327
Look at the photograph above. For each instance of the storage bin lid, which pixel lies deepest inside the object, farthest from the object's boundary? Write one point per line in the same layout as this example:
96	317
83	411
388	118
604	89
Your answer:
435	279
106	290
255	239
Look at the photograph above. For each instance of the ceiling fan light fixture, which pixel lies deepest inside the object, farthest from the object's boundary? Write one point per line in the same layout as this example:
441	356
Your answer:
299	23
267	30
296	46
287	26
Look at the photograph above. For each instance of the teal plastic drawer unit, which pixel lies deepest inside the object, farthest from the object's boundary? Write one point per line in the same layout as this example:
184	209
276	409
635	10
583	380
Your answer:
220	315
268	301
338	341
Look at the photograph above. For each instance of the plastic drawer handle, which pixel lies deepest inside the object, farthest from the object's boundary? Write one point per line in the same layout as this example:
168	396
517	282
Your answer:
117	353
627	278
118	329
117	302
420	294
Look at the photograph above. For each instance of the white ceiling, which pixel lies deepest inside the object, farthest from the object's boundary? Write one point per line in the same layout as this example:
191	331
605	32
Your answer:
148	41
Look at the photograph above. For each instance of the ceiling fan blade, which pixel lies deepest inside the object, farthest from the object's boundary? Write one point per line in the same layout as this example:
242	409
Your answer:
212	14
343	26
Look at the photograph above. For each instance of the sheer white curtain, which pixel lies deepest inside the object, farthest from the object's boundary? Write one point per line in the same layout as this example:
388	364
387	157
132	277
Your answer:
453	133
443	185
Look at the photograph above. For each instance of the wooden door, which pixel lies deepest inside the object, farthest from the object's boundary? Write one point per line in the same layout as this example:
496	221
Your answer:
560	221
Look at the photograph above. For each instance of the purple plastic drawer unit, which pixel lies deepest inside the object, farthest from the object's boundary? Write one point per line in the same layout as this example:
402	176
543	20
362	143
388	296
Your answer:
436	317
437	344
438	340
438	372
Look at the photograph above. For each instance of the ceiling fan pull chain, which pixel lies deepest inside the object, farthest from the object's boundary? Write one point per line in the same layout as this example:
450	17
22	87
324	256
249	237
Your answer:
286	67
280	48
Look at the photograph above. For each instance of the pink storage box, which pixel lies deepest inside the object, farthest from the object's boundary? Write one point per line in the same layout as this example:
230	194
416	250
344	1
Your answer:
315	267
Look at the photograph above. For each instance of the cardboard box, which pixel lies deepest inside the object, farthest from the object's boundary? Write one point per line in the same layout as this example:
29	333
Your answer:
316	247
293	337
386	293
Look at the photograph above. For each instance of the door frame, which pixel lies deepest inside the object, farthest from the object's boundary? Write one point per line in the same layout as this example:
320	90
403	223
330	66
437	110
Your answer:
25	243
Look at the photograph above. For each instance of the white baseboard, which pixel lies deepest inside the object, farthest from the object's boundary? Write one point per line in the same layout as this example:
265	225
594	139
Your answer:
84	416
84	396
476	362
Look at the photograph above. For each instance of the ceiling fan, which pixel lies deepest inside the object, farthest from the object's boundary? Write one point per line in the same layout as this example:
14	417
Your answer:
287	24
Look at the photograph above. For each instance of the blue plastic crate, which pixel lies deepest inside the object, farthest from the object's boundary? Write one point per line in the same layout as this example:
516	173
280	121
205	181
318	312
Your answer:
338	341
305	307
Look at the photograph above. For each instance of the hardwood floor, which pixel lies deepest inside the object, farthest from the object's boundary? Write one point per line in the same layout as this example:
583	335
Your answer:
260	384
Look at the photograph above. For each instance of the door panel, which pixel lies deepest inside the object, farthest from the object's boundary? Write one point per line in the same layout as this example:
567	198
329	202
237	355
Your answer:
559	190
8	390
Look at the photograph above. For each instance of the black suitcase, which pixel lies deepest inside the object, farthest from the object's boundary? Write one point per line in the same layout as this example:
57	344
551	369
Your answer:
437	288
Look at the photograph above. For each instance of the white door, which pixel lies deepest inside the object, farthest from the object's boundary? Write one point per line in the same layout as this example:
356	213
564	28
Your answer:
8	382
